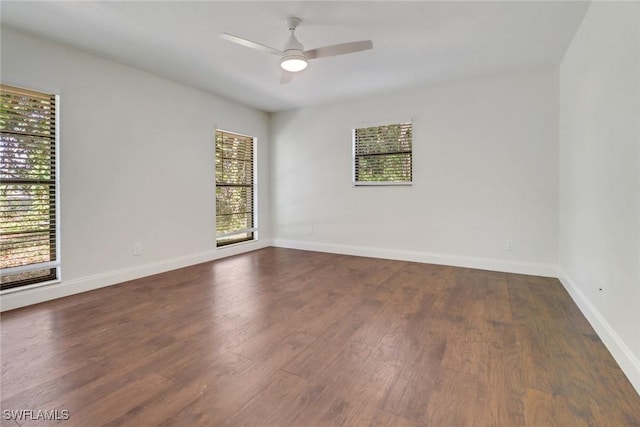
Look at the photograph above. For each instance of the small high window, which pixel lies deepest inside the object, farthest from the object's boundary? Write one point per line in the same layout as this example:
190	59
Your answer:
383	155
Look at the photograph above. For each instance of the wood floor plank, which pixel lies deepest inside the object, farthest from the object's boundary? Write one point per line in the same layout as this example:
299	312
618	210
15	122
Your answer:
541	369
500	390
409	394
156	411
385	419
304	409
465	349
544	409
448	406
8	423
224	396
111	405
281	337
279	391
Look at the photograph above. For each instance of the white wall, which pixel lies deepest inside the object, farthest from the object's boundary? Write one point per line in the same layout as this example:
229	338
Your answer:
599	239
485	171
137	157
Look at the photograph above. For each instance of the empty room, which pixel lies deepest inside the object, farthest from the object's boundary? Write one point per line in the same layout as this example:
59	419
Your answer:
320	213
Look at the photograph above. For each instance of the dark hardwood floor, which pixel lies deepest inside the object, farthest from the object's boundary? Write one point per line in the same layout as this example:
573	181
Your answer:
282	337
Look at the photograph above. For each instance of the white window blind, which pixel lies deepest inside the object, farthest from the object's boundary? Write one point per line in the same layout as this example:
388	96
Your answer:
383	154
234	188
28	188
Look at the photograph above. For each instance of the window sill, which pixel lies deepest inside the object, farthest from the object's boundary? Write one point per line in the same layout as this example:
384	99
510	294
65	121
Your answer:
32	286
235	244
382	184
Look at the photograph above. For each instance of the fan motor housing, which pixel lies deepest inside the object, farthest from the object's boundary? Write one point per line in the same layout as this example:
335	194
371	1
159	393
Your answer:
293	22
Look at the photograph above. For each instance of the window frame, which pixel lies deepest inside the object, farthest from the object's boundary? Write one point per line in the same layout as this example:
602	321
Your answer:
253	230
55	266
354	160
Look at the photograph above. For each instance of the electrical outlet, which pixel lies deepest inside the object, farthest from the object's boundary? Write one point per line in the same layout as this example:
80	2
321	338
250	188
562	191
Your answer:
137	249
508	245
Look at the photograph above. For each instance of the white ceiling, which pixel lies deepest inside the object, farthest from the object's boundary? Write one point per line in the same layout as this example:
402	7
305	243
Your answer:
415	43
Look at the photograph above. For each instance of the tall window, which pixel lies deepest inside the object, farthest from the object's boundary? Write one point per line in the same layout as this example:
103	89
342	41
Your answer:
383	155
234	188
28	188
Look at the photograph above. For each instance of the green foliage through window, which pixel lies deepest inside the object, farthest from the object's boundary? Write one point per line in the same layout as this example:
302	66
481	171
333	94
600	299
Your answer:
234	188
28	238
383	154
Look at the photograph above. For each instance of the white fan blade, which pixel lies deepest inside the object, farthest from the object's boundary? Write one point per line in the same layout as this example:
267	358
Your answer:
249	43
286	77
339	49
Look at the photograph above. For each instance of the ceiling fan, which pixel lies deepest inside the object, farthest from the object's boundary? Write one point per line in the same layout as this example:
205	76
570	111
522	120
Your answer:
293	57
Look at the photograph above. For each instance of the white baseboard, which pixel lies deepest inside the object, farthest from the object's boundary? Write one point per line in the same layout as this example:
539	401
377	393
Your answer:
507	266
628	362
21	298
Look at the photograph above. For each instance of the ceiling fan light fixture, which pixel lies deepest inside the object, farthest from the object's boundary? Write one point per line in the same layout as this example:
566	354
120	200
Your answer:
293	61
293	57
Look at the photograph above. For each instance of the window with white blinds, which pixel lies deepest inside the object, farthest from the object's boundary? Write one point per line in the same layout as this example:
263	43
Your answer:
234	188
383	155
29	250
